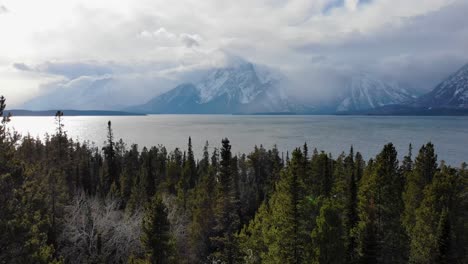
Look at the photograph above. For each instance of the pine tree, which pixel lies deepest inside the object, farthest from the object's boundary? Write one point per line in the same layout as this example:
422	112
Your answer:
424	168
203	207
289	237
444	234
383	184
407	165
328	236
351	217
189	175
56	189
369	244
204	164
227	215
257	236
432	240
11	181
321	174
110	158
360	164
156	236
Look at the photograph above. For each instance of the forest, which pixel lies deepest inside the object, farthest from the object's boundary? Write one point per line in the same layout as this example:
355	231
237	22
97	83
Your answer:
63	201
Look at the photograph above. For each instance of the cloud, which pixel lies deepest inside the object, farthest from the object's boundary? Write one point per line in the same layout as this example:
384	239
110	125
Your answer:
163	38
419	50
3	9
116	86
190	40
21	66
317	44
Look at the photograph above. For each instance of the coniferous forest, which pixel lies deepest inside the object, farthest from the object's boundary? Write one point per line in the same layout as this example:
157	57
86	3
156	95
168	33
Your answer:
63	201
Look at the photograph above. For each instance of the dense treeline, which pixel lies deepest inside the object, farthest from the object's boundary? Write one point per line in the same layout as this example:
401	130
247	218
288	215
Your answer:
63	201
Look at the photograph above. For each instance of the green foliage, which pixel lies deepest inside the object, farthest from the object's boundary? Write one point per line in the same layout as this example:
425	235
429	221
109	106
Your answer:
63	201
433	239
156	236
328	236
280	231
381	188
227	211
424	168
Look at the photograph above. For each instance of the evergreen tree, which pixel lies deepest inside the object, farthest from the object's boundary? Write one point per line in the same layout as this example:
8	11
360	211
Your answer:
407	165
351	217
256	237
359	165
110	158
189	174
203	207
255	208
424	168
11	180
444	235
227	215
368	243
328	236
322	174
383	185
288	237
432	240
204	164
156	236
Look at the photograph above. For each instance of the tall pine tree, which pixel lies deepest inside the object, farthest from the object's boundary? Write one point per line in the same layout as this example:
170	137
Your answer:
156	236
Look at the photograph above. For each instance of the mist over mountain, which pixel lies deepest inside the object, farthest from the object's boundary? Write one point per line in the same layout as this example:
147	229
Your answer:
450	93
247	88
365	91
450	97
239	88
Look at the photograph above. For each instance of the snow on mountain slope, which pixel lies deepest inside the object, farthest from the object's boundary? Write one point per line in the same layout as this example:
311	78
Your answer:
451	93
241	83
367	92
239	88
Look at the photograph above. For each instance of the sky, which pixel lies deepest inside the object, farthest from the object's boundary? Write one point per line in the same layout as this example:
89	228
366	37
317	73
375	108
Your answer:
136	49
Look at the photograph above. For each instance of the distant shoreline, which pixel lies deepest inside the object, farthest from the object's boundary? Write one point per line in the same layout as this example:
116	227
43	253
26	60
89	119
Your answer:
21	112
383	111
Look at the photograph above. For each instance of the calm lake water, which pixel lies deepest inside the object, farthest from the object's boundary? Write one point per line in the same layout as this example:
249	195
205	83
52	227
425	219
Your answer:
332	134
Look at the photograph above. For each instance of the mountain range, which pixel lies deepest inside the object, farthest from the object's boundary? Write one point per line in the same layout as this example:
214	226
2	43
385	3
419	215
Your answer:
450	97
451	93
364	91
241	88
246	88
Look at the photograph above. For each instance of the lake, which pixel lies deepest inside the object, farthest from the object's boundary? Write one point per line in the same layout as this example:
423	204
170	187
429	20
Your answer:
332	134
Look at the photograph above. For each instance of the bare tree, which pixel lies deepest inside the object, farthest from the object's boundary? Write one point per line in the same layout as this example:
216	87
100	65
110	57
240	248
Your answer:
180	221
97	231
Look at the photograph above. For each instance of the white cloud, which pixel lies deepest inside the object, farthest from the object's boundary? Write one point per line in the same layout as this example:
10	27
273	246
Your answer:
3	9
69	39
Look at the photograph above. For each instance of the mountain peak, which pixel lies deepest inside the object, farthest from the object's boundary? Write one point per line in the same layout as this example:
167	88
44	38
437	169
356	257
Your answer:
239	82
450	93
240	87
366	91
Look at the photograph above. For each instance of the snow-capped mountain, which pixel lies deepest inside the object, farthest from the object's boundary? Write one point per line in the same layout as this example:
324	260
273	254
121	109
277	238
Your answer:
451	93
367	92
240	88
